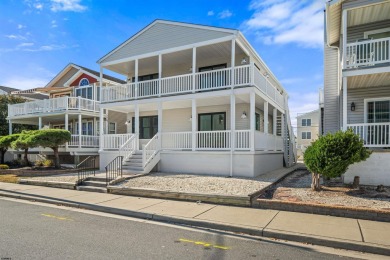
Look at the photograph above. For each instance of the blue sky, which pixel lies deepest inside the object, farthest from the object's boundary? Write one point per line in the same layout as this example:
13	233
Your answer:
38	38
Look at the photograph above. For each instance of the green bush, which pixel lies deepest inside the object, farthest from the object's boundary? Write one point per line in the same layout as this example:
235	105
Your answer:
38	163
4	167
332	154
47	163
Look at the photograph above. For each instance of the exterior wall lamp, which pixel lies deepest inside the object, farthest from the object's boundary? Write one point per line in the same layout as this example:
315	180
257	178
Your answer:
353	107
243	116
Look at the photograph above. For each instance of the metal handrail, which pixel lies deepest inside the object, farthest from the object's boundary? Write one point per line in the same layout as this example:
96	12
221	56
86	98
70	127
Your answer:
86	168
114	169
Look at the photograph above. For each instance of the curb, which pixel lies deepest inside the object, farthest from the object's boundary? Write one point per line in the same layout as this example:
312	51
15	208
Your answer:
342	244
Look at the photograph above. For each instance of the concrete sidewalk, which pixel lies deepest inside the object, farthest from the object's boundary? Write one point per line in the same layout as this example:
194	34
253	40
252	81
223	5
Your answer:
347	233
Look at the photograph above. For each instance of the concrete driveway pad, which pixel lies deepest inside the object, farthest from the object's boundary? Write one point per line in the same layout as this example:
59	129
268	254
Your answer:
131	203
375	232
179	209
316	225
239	216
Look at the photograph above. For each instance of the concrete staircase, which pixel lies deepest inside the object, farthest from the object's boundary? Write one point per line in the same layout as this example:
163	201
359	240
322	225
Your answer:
94	184
134	163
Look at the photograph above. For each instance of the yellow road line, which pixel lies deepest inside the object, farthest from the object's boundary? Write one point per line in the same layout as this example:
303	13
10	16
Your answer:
204	244
56	217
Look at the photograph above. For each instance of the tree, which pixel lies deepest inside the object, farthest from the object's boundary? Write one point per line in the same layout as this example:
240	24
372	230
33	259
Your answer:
52	138
4	125
5	143
24	142
332	154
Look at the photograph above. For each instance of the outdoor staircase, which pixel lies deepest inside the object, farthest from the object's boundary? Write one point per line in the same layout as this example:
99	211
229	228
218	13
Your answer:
134	164
93	184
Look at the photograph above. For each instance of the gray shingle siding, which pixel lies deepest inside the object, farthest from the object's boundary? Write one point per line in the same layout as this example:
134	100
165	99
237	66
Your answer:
357	32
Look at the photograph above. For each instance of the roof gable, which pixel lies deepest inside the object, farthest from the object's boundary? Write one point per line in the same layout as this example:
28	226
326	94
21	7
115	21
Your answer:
161	35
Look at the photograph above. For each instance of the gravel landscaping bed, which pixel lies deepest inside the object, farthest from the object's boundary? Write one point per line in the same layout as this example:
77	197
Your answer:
296	188
200	184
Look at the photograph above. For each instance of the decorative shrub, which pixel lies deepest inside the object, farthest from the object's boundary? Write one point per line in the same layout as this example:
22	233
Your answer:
48	163
38	163
4	167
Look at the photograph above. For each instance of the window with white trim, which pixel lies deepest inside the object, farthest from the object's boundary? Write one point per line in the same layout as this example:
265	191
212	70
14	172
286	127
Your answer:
306	135
378	111
84	82
306	122
111	128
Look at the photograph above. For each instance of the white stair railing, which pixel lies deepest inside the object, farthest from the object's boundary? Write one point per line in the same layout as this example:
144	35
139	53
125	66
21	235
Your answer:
129	147
150	149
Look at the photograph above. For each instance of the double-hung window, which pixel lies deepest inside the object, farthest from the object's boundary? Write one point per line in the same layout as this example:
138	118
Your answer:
111	128
378	111
306	122
306	135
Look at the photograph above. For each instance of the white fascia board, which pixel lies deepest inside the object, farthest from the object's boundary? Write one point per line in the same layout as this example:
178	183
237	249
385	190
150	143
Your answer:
78	74
205	27
171	50
351	73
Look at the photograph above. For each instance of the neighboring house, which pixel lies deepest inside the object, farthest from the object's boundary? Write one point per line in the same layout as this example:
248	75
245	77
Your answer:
73	105
199	99
28	95
307	130
357	80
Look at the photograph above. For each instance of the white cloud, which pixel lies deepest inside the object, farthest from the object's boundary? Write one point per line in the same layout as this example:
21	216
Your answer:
25	44
15	37
67	5
38	6
301	103
225	14
54	24
28	47
287	21
25	83
210	13
21	26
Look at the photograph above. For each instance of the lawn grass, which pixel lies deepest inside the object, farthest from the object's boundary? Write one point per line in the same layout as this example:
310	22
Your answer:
11	178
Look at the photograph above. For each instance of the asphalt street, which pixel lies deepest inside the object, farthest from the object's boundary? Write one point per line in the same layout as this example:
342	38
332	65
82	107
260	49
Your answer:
31	231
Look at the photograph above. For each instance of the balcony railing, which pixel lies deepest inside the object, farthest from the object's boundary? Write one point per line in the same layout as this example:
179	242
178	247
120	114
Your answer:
367	53
53	105
373	134
84	141
203	81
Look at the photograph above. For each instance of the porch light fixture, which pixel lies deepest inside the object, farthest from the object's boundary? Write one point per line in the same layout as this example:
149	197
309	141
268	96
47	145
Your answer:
353	106
128	122
244	61
243	116
190	119
190	69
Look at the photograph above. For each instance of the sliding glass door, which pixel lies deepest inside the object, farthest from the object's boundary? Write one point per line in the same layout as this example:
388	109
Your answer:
211	127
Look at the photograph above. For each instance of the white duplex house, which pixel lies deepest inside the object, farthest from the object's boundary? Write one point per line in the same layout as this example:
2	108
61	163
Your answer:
357	80
198	99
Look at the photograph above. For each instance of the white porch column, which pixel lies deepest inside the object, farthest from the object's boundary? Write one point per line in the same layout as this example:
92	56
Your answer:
101	121
345	105
232	129
193	69
10	127
274	119
66	122
136	123
282	126
136	77
160	119
39	123
266	117
159	74
193	122
233	62
344	37
94	126
252	117
80	130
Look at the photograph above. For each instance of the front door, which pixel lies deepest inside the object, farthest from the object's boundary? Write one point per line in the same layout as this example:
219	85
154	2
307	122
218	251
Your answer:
211	127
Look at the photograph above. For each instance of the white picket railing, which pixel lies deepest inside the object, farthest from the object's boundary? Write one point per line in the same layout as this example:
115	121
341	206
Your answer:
114	141
367	53
373	134
268	142
150	150
265	86
148	88
213	140
86	141
243	140
129	147
176	140
213	79
53	105
176	84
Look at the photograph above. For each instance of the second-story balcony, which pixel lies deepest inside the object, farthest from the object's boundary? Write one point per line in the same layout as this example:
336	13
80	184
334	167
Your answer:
246	75
367	52
53	105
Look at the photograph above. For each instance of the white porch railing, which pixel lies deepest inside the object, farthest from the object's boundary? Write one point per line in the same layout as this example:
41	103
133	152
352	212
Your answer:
373	134
367	53
176	140
129	147
150	150
204	81
53	105
268	142
243	140
114	141
213	140
86	141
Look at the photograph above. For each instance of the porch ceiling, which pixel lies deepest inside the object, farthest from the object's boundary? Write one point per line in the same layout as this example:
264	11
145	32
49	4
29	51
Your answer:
370	14
149	65
369	80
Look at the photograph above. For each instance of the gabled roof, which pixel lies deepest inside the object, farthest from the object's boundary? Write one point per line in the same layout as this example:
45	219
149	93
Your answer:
8	89
92	73
159	27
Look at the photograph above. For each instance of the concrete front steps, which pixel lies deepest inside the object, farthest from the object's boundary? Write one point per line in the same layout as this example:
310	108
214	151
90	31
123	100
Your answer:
94	184
134	163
